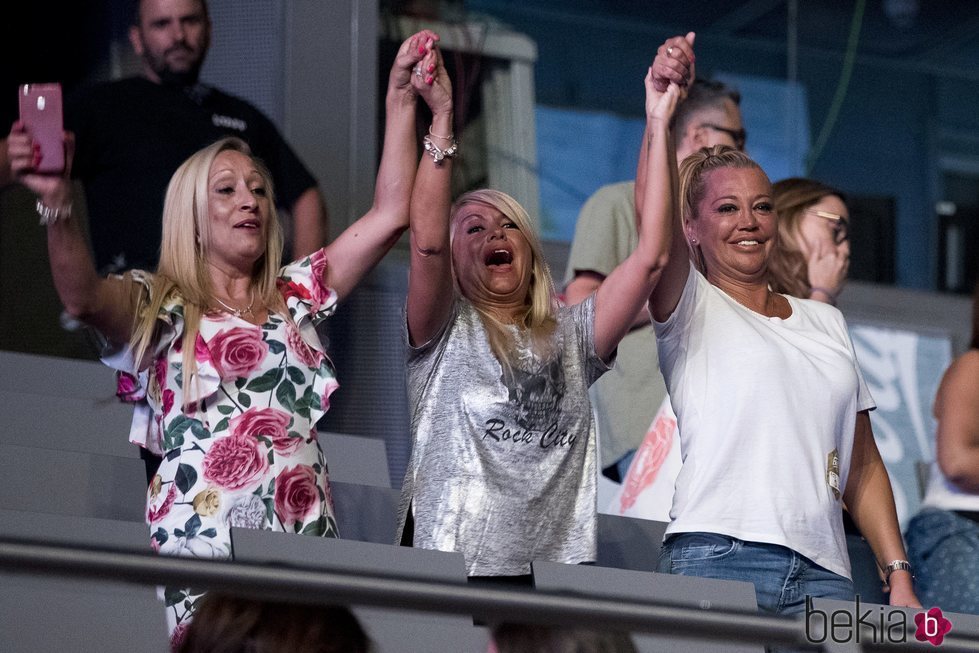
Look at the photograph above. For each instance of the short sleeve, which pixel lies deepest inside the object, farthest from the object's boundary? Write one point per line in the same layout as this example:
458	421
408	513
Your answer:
605	233
685	308
302	285
583	317
865	401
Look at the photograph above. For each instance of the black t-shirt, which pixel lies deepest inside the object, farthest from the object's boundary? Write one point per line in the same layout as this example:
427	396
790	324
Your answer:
133	134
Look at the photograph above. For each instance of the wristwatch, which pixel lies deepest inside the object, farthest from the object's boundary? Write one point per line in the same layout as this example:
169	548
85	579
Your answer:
897	565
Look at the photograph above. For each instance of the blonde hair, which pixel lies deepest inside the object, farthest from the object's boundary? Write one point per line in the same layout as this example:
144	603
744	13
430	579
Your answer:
788	269
693	183
539	317
183	272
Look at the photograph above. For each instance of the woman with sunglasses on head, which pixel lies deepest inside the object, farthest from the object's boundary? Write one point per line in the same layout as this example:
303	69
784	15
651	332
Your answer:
813	254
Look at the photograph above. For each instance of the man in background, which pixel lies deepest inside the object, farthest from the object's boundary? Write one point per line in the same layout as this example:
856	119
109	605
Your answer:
132	134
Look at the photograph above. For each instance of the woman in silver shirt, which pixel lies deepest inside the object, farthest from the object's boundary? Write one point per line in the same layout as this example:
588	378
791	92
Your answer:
503	463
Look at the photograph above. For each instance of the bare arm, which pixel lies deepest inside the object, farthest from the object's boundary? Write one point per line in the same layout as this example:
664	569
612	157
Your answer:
627	288
957	411
869	499
309	226
359	248
588	282
430	290
666	295
102	303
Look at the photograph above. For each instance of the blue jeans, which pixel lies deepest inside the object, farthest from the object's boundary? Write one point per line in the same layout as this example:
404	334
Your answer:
943	548
782	577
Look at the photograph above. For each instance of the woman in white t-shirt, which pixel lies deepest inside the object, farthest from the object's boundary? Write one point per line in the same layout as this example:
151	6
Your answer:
771	407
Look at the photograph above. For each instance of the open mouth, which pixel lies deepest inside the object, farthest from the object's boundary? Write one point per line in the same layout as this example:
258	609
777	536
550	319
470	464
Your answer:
248	224
498	257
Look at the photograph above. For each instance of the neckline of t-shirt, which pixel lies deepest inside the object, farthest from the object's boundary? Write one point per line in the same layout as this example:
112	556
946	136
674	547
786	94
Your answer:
771	319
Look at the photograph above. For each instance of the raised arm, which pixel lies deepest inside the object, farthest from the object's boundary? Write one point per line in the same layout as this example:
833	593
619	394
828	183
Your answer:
673	56
358	249
430	277
869	499
957	411
102	303
628	287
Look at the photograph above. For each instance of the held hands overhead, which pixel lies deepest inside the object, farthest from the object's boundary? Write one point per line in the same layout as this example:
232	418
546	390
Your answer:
674	63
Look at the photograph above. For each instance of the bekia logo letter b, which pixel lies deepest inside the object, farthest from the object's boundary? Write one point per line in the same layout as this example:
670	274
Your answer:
932	626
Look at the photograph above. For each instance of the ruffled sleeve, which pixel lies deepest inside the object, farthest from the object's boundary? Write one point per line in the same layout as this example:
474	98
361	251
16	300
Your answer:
310	302
302	286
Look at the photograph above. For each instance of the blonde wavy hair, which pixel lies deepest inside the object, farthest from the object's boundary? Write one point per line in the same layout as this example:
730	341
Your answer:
693	173
540	308
183	271
788	269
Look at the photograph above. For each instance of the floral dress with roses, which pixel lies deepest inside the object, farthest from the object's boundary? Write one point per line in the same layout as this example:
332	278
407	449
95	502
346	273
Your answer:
244	451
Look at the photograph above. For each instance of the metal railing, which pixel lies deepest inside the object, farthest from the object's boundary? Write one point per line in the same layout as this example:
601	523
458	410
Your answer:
297	584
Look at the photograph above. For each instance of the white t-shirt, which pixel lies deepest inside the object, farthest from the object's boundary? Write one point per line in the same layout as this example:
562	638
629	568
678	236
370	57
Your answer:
942	494
762	405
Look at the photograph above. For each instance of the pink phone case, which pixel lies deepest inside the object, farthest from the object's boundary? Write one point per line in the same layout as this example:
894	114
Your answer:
40	110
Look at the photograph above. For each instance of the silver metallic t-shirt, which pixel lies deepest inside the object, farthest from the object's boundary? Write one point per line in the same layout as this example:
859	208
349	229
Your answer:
503	463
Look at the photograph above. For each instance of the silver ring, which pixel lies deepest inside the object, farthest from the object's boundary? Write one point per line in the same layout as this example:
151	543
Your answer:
418	71
669	51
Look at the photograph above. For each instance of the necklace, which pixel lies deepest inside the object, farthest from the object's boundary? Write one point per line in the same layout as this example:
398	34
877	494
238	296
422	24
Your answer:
238	312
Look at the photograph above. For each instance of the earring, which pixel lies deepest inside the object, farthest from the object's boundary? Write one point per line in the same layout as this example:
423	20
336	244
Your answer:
693	241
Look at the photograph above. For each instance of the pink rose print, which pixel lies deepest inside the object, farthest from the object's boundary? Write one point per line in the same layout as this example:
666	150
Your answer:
296	494
235	462
293	289
168	398
201	353
155	514
331	386
178	636
268	422
238	351
127	387
317	266
932	626
304	353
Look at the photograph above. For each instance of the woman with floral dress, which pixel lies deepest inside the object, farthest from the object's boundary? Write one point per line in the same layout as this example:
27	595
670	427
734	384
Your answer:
236	376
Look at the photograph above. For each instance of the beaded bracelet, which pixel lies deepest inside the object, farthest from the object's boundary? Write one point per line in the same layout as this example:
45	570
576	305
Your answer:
50	215
438	153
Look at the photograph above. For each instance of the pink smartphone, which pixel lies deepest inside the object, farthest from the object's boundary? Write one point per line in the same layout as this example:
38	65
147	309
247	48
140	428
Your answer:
40	111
